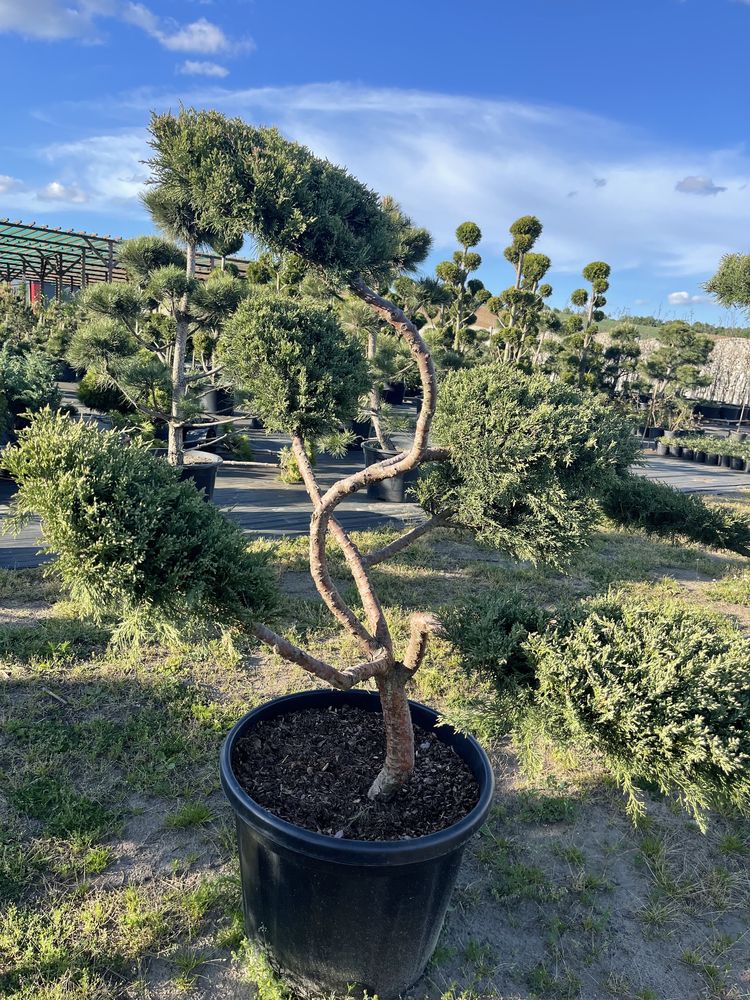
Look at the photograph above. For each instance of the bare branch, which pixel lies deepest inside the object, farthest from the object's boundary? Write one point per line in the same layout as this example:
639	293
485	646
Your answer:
294	654
341	679
380	555
197	376
318	561
422	624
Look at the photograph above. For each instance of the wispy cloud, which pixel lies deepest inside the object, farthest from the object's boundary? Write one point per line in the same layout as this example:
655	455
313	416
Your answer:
195	67
202	36
55	191
56	20
698	185
448	158
52	20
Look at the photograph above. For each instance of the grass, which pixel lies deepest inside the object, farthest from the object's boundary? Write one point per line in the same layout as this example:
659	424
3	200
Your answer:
118	872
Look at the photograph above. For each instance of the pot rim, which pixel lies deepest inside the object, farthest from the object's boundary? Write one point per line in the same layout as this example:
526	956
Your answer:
343	850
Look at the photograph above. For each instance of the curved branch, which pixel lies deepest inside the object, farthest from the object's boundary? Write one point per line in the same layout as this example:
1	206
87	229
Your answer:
319	563
341	679
402	542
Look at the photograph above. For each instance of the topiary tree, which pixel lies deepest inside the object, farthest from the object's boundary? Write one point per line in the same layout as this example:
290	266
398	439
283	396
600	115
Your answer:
520	307
537	495
466	294
619	375
132	334
577	357
673	369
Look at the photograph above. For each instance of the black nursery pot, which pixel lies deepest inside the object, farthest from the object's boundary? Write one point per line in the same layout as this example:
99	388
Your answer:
335	913
738	463
393	393
391	490
688	454
700	456
712	458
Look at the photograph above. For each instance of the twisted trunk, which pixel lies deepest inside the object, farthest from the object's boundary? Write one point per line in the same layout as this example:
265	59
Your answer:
390	673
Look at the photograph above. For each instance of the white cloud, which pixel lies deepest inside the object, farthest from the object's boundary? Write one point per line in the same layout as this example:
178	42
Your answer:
199	36
52	19
194	67
448	158
698	185
8	183
109	167
684	298
55	191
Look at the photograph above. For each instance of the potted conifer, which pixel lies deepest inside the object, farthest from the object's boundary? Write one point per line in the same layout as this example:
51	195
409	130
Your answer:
377	800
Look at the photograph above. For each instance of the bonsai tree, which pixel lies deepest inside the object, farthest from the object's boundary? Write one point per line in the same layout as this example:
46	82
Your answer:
466	293
133	333
674	368
368	329
195	173
520	307
577	358
620	360
519	460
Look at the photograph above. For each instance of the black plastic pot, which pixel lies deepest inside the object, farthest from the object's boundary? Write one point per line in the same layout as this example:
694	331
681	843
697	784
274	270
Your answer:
200	468
688	454
335	913
700	456
738	464
361	429
712	458
393	490
726	461
393	393
662	449
675	450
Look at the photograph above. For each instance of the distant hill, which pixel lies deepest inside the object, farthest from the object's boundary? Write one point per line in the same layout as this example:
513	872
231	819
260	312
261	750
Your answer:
648	327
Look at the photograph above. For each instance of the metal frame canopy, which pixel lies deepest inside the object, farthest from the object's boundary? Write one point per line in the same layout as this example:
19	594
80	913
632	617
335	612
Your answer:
69	259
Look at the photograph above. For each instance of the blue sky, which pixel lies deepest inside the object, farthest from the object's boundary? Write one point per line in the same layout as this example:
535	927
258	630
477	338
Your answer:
623	126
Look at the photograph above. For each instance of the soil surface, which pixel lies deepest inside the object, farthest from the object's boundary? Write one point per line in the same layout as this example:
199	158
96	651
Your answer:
314	768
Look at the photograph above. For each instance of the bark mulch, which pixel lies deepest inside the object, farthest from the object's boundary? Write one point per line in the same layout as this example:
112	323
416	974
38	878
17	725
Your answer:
313	769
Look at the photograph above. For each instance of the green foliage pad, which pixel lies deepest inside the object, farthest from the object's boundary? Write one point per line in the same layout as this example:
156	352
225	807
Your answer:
131	539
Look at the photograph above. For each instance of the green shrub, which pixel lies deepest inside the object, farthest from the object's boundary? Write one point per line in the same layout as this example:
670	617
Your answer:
101	396
289	467
661	693
28	382
491	633
131	540
660	509
528	458
302	372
